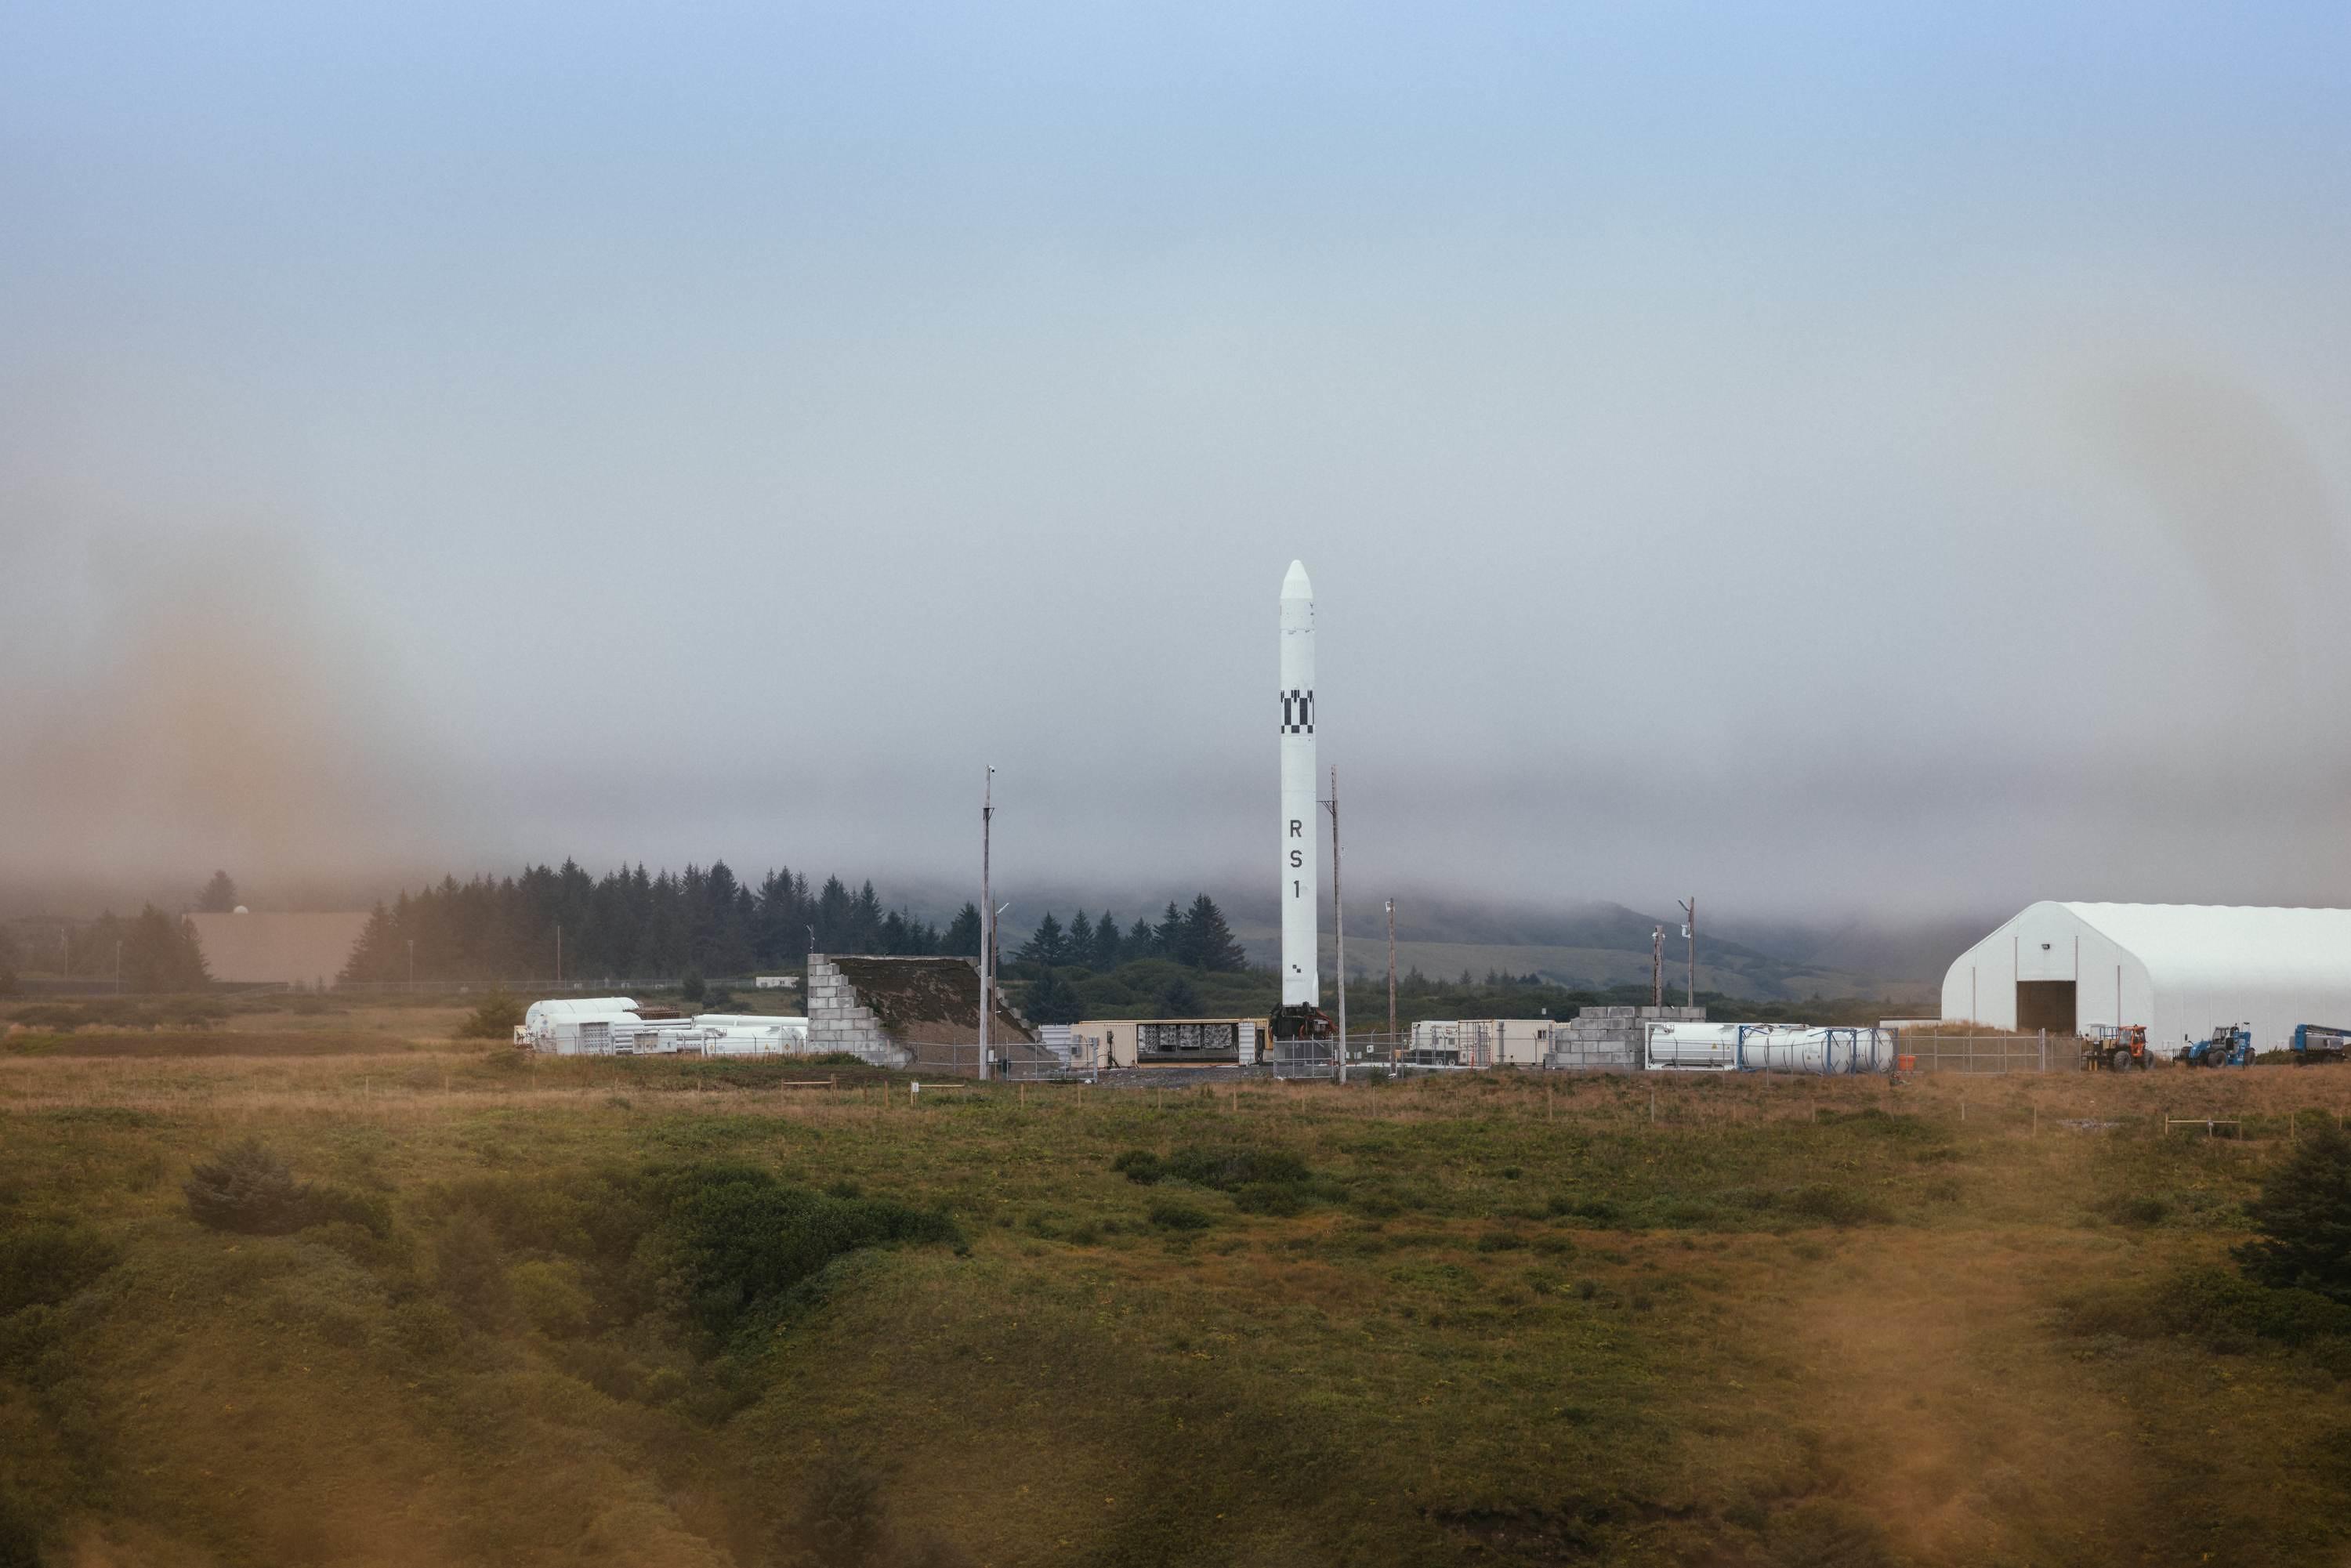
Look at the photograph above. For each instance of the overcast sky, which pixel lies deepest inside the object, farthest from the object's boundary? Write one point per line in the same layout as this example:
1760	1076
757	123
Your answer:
1835	458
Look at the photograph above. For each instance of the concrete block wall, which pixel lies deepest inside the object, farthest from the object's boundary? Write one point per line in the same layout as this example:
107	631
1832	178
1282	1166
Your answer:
839	1021
1610	1040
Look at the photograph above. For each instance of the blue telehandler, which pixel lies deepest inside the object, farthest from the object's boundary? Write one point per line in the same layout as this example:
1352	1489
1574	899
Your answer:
2230	1045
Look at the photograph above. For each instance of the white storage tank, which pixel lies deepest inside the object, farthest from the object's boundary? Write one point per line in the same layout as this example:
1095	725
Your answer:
748	1034
1767	1048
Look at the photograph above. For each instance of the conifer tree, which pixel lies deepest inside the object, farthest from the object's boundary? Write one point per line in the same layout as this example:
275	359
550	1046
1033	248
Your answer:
1081	946
962	937
1169	934
1207	941
2303	1218
1052	999
219	894
1106	941
1046	945
160	954
1179	1001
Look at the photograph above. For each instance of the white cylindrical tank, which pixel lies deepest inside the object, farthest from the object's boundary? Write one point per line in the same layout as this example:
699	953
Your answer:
1767	1048
1694	1046
773	1036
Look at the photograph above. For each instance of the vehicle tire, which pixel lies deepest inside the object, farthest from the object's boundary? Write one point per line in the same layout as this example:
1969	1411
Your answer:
2118	1061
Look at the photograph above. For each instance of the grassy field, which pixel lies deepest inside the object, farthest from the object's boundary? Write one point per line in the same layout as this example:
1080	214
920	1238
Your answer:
671	1312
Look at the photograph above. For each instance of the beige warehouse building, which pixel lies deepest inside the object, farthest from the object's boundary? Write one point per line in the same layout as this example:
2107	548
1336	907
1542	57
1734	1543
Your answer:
284	949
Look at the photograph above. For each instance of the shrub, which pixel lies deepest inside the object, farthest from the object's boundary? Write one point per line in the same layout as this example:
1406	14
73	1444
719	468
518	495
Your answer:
246	1188
552	1297
469	1268
1140	1167
250	1189
1171	1216
2211	1304
1836	1205
496	1018
692	987
2135	1208
2302	1220
1224	1169
43	1264
747	1242
1270	1198
20	1535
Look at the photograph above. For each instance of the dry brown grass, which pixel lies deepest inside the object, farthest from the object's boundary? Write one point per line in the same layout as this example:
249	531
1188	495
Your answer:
1464	1371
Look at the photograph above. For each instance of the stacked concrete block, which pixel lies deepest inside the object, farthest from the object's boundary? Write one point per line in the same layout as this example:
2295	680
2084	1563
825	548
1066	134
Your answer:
1610	1040
839	1021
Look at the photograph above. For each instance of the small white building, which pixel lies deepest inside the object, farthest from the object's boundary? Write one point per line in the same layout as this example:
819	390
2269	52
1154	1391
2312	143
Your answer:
2180	970
1481	1042
554	1025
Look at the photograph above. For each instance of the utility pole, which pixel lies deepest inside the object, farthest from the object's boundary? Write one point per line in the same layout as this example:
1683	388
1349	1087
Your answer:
1689	930
118	967
1392	973
986	918
1657	967
559	955
412	963
1339	923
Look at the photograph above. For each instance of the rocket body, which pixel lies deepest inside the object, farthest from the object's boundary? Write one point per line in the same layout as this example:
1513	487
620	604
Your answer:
1300	951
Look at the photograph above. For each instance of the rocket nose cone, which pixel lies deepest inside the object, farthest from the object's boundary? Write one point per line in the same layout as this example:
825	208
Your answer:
1294	584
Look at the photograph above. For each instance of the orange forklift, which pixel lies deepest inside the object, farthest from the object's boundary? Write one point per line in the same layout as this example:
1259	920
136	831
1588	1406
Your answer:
2116	1047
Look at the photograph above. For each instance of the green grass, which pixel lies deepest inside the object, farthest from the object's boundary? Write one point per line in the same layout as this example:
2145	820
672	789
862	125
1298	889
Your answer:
670	1311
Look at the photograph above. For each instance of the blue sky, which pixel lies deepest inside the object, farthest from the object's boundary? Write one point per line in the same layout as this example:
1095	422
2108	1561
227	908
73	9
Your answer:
1843	456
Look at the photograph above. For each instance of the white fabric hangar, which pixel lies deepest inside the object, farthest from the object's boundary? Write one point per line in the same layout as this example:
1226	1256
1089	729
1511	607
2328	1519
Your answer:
2180	970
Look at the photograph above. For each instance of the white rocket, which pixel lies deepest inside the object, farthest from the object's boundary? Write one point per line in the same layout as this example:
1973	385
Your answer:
1300	956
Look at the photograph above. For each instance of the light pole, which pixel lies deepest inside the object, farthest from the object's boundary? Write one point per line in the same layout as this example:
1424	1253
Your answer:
1392	1028
1689	930
412	963
1338	922
986	918
118	966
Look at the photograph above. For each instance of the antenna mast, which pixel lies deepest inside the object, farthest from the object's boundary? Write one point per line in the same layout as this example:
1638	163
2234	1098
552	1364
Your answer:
1339	923
986	919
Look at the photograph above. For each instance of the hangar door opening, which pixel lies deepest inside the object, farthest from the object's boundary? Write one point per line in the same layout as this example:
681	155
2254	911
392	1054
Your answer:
2044	1004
